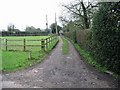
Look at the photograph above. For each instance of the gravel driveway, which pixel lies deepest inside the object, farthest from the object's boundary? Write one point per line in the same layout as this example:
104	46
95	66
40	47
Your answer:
59	71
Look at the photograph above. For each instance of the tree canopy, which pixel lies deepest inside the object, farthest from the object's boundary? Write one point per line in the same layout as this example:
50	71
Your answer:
32	29
11	27
80	12
53	28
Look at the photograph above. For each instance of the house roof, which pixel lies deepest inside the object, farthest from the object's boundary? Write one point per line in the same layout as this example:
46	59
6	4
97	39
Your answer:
16	30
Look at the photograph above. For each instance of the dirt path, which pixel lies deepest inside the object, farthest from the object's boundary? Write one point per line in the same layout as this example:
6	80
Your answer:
59	71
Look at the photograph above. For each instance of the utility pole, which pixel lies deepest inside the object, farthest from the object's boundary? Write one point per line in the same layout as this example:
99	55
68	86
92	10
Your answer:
56	25
46	23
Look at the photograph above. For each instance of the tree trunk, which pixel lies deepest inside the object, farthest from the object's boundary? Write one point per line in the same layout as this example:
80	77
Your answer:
86	23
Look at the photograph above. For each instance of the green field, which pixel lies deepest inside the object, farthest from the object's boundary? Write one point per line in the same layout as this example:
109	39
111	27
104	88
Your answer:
21	42
13	60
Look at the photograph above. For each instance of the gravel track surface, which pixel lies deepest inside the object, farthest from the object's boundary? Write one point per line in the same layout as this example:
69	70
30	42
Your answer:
59	71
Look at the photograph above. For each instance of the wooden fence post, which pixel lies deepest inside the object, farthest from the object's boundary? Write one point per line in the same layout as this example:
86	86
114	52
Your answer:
30	55
43	44
24	44
49	41
46	44
6	44
53	38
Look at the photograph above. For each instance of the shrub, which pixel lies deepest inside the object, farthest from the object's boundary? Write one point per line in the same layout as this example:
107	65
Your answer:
71	35
106	35
84	39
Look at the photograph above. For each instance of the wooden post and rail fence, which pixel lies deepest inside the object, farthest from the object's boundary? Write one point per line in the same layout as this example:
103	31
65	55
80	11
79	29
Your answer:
44	43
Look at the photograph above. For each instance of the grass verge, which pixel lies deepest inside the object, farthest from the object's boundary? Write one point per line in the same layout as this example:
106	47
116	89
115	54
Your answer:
65	46
14	60
89	59
54	44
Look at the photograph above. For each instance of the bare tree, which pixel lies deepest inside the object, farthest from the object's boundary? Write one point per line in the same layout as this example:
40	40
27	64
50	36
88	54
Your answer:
80	11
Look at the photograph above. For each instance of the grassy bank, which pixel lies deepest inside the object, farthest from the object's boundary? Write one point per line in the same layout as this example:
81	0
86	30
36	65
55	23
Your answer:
65	46
13	60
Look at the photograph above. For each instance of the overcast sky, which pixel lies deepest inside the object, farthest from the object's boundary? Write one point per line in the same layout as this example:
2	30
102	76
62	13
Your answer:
24	13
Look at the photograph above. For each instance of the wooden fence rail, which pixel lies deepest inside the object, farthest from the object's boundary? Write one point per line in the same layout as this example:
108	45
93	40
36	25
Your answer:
44	43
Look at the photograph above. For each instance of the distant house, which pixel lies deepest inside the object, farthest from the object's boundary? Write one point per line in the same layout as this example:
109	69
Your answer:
16	30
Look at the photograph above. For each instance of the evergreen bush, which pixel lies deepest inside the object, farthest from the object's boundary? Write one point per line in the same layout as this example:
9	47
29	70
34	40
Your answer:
106	35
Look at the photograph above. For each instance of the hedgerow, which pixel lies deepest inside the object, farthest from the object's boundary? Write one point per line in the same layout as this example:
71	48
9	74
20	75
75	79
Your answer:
106	35
103	39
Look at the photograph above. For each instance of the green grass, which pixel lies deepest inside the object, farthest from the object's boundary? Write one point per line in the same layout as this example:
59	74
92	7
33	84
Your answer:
26	37
65	46
14	60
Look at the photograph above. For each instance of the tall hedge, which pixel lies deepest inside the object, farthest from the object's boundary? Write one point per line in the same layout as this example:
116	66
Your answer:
71	35
84	39
106	35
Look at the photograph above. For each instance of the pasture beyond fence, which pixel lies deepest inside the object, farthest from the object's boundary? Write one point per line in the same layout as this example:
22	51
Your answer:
24	44
23	33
